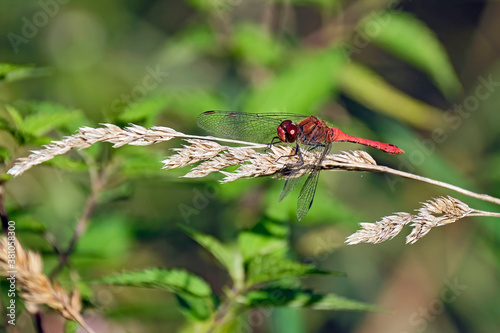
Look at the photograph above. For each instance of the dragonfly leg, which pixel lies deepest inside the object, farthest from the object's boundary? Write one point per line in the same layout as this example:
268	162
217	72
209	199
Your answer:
272	143
317	145
301	159
297	153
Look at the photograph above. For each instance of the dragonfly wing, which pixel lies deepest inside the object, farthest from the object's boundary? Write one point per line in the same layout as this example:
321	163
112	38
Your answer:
254	127
306	195
290	185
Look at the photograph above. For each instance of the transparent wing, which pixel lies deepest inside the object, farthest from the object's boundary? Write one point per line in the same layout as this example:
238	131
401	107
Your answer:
306	195
290	185
254	127
292	182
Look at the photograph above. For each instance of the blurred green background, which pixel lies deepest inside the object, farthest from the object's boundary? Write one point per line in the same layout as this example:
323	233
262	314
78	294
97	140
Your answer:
423	75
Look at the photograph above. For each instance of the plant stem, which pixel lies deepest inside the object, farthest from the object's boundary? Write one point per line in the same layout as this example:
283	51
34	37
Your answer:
225	310
97	182
385	169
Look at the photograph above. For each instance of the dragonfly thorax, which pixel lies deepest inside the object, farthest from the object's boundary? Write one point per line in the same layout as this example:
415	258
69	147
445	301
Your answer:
287	131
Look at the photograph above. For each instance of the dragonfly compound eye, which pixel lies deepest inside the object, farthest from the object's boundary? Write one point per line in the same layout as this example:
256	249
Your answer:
283	130
287	131
291	133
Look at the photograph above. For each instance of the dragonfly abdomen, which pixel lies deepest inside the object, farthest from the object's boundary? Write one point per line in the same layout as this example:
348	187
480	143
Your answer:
336	135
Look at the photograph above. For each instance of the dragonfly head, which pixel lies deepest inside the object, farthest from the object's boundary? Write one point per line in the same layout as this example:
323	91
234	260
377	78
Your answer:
287	131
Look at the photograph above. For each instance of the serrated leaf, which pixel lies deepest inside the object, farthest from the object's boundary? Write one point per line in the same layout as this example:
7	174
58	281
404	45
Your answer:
193	294
229	259
272	267
302	298
172	280
302	86
365	86
49	116
410	39
264	238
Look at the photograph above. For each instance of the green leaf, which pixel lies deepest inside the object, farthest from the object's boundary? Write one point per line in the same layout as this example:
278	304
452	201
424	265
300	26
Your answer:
273	267
4	155
266	237
365	86
6	68
145	109
302	298
199	39
15	115
172	280
27	223
140	161
229	259
195	308
302	87
67	163
124	191
320	3
256	45
106	242
49	116
410	39
183	51
193	294
212	6
13	72
193	101
70	326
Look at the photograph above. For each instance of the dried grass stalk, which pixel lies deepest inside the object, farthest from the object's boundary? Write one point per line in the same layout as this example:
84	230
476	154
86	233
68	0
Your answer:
279	160
433	213
35	287
87	136
217	157
198	150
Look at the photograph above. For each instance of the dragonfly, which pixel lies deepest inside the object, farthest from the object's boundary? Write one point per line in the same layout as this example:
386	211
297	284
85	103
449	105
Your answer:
306	132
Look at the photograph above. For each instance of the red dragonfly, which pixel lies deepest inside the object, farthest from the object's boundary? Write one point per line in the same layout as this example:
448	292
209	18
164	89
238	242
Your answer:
310	133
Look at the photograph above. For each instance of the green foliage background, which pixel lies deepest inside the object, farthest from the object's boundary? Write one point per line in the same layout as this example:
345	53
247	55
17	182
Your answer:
404	73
